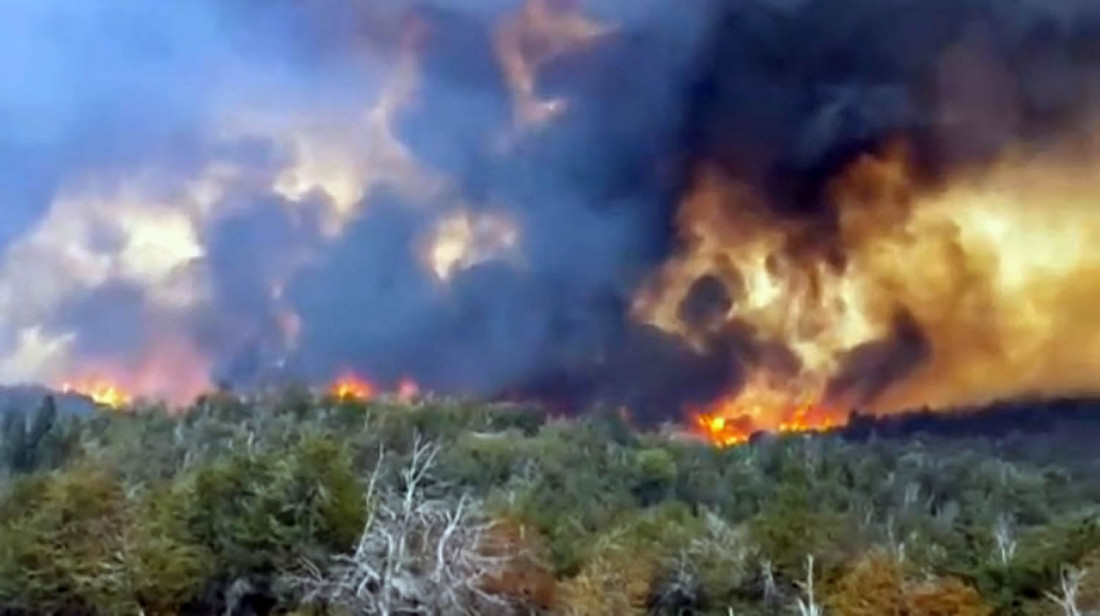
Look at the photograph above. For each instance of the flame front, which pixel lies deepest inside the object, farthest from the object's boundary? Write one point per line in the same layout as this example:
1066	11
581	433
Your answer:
761	406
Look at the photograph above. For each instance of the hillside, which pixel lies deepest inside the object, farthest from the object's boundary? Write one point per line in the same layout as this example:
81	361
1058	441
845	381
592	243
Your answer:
316	505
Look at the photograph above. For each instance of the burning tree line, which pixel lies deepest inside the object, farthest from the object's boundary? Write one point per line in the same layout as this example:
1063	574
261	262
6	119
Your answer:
718	425
308	504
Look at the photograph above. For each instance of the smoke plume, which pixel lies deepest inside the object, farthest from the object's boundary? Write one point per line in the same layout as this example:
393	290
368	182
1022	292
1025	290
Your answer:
864	203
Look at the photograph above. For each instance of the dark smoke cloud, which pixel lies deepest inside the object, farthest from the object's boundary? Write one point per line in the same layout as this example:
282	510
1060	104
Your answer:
870	368
791	92
587	193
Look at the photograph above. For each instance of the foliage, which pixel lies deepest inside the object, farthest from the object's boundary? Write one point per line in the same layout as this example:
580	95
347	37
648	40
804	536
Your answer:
263	511
40	441
78	541
792	527
881	584
620	572
289	502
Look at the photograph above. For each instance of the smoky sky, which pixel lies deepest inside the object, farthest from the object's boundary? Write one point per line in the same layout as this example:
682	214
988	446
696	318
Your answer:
778	93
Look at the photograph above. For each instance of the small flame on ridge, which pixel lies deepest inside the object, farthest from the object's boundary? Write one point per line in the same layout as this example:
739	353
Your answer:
352	388
101	392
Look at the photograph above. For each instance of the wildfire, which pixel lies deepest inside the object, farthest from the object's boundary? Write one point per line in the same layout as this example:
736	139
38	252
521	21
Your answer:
102	393
352	388
981	288
724	432
884	292
734	419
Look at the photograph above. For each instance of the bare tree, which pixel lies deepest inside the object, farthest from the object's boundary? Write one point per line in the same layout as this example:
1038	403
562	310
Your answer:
1071	585
1006	544
679	591
417	555
807	605
771	590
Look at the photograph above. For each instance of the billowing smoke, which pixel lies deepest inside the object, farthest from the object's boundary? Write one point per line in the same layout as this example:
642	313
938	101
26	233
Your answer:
647	203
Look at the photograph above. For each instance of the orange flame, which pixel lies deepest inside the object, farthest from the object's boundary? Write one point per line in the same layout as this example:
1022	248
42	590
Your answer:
102	393
735	418
352	388
724	432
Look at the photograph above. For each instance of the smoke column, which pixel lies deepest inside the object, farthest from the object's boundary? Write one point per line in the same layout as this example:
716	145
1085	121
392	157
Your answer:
878	204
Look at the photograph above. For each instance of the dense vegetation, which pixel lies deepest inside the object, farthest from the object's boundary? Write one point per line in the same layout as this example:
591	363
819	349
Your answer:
316	506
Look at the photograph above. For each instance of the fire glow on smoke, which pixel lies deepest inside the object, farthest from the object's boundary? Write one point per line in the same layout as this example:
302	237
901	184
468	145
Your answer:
490	198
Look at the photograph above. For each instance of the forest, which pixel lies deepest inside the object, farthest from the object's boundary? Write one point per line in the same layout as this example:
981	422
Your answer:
299	503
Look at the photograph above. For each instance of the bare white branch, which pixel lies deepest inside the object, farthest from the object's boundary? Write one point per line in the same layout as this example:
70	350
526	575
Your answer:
807	605
416	555
1070	587
1006	544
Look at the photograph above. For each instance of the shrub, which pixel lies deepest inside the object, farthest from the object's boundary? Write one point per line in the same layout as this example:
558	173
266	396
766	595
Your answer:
259	512
40	441
723	557
655	470
1036	566
75	542
793	526
484	461
620	575
579	485
879	584
523	577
